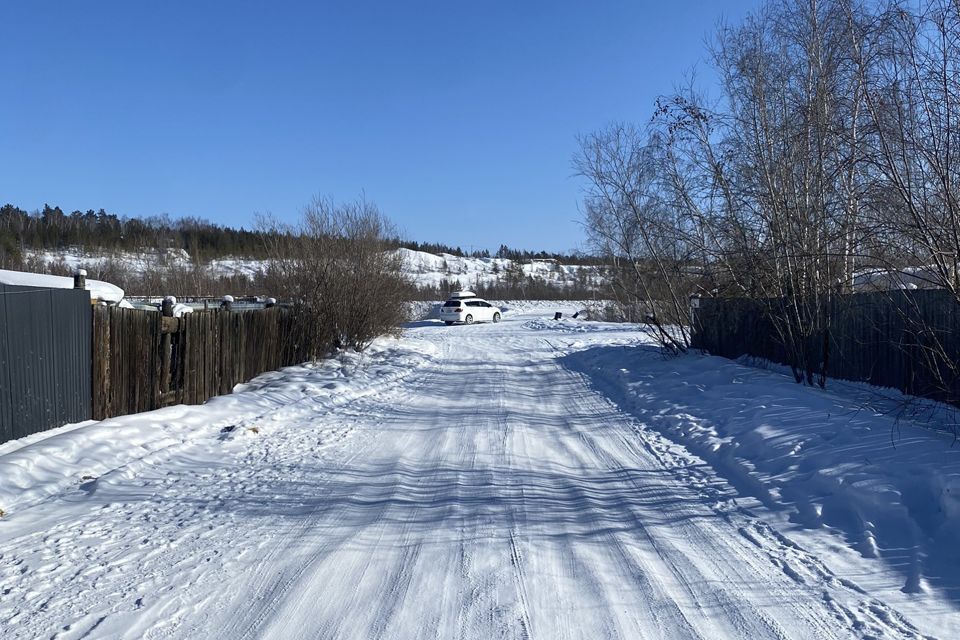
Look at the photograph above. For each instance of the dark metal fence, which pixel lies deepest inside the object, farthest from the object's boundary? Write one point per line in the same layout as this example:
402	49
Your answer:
908	340
44	359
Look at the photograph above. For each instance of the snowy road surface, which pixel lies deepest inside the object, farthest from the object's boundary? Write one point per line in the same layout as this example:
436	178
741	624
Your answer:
489	492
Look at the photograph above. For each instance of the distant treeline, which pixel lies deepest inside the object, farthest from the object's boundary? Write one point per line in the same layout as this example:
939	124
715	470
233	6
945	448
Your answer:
504	251
53	229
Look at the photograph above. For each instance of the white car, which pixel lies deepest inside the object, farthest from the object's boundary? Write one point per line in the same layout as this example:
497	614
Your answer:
468	309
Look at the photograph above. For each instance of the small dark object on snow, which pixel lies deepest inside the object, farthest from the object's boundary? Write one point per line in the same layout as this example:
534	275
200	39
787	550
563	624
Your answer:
557	315
576	315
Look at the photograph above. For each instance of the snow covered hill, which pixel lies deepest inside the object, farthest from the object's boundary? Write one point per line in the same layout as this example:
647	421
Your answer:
139	262
527	479
425	269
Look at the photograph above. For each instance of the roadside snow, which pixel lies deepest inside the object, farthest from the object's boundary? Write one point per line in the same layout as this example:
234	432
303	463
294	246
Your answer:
820	461
45	464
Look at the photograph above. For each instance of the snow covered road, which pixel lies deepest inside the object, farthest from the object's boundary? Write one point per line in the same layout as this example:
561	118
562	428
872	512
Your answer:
489	492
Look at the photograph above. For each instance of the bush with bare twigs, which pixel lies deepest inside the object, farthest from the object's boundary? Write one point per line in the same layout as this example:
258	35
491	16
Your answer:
337	264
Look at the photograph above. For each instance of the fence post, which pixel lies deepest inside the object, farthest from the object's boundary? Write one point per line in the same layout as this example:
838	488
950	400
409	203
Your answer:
166	351
227	304
694	306
80	279
270	303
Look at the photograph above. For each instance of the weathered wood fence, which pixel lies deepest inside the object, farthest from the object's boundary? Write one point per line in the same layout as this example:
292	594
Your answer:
143	360
908	340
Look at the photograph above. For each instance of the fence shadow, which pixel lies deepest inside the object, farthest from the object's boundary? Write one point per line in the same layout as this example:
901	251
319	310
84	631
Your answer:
799	450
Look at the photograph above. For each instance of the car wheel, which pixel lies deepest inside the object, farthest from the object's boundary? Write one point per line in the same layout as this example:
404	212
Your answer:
468	319
496	317
448	322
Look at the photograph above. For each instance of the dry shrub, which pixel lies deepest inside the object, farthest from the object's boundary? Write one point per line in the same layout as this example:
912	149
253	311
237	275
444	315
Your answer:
337	264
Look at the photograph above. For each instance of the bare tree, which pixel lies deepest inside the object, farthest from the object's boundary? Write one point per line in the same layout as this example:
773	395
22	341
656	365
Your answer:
338	264
907	56
627	220
909	62
759	196
829	159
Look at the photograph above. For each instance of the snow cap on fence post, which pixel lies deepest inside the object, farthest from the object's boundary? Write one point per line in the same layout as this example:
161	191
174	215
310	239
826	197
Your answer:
227	304
80	279
270	302
167	307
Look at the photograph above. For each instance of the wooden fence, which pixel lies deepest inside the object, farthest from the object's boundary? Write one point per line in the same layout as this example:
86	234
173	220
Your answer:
908	340
143	360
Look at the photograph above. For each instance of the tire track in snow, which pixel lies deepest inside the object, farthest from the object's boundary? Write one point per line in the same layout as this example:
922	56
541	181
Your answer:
516	554
265	589
874	616
516	560
270	591
748	620
685	572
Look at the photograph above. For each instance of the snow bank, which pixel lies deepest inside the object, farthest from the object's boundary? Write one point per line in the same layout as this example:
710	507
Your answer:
822	459
45	464
98	289
567	307
570	325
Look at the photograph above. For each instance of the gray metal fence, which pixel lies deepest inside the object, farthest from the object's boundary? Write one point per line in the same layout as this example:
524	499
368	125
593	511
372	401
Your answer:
44	359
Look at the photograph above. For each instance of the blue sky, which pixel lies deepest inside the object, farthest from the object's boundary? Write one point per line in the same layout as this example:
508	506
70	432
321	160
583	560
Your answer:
458	118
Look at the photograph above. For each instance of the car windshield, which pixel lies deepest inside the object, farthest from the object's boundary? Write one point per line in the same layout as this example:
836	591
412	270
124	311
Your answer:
452	303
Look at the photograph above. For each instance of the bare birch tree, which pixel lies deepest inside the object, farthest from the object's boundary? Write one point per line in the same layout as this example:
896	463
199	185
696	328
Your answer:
627	221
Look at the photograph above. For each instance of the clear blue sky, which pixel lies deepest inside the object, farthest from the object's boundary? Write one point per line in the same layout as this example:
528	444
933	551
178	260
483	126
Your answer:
458	118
